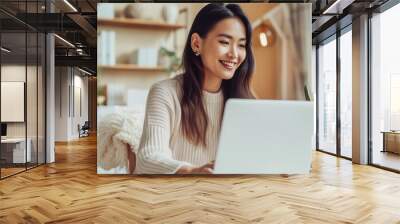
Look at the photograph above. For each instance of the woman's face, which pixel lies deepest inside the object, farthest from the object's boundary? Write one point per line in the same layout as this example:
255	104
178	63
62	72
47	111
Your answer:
223	49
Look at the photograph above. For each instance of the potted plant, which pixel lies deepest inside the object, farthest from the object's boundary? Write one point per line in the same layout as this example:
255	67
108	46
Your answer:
170	60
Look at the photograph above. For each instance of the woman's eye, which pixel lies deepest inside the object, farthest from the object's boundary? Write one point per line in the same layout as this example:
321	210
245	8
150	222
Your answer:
242	45
224	42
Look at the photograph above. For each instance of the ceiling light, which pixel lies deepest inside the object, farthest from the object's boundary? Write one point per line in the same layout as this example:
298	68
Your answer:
338	6
84	71
79	51
71	6
263	39
65	41
329	9
5	49
266	35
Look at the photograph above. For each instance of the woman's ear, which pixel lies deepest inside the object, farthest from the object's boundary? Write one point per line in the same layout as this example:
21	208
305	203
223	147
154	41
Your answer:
195	42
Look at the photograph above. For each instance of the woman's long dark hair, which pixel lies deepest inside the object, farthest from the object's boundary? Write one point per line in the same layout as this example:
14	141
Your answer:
194	117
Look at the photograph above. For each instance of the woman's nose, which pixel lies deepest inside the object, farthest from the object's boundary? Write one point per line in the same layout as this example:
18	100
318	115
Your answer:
233	52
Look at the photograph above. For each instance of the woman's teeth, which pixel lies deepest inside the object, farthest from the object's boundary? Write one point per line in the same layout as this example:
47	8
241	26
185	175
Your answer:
228	64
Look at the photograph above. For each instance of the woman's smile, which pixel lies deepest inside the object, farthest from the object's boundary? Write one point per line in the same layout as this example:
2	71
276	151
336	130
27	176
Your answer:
229	65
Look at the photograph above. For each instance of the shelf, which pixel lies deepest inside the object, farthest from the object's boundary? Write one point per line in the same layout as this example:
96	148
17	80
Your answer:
131	67
138	23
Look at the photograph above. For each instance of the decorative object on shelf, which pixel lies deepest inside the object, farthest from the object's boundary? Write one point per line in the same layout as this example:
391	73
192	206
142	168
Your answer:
119	13
144	57
169	59
101	95
170	13
105	11
131	11
266	35
106	48
143	11
101	100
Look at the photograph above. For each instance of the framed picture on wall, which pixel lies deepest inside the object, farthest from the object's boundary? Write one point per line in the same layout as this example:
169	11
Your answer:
12	101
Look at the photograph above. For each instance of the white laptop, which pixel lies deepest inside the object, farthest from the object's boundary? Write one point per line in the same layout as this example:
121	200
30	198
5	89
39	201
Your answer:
265	137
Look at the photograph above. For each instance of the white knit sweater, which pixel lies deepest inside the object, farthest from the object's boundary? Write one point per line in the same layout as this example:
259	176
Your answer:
163	148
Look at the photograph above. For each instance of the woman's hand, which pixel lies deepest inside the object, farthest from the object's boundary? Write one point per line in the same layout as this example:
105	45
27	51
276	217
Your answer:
205	169
131	160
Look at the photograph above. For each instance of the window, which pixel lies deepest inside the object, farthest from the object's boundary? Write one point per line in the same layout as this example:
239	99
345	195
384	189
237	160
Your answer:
346	94
394	102
385	88
22	65
327	97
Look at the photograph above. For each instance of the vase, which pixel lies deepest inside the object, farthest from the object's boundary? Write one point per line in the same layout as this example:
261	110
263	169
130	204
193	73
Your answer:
170	13
143	11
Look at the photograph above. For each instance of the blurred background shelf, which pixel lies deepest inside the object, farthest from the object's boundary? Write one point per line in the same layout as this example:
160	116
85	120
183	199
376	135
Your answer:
138	49
131	67
138	23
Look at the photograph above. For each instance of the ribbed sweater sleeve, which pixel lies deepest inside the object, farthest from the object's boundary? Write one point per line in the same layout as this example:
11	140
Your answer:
154	154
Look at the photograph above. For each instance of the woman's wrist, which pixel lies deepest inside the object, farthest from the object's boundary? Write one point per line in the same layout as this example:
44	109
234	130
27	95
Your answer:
185	169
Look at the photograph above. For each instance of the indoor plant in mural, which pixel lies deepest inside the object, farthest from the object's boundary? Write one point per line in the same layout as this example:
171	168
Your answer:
170	60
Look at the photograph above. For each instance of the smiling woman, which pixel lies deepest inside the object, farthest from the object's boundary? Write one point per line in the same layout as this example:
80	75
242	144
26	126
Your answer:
183	114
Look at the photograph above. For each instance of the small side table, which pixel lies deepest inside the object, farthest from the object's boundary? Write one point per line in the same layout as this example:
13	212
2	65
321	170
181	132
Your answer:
13	150
391	141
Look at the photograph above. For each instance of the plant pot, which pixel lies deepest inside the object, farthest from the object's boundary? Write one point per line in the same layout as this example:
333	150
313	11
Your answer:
170	13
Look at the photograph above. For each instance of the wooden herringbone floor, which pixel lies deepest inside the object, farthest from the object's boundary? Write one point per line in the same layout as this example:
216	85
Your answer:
70	191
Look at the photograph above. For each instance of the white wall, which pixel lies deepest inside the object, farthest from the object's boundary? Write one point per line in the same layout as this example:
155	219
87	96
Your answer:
17	73
79	117
34	125
14	73
69	85
61	103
